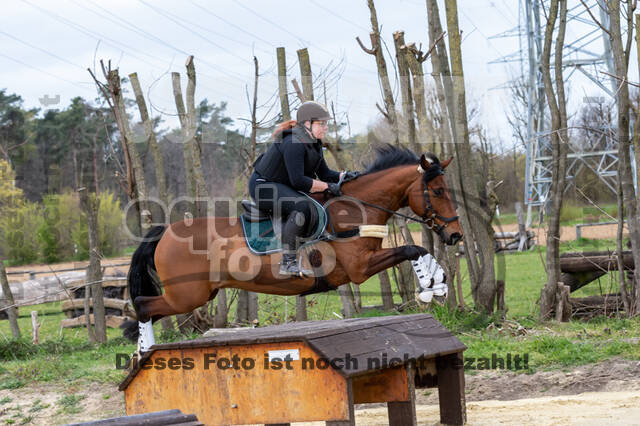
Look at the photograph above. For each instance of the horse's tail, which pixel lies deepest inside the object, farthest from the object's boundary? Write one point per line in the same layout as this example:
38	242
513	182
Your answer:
142	279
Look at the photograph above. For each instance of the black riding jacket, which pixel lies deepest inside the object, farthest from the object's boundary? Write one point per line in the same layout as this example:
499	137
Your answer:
295	159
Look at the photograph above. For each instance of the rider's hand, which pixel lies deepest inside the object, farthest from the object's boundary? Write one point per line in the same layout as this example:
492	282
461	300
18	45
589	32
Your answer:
318	186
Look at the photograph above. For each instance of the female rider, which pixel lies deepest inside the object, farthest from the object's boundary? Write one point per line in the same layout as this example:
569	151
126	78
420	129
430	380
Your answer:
294	162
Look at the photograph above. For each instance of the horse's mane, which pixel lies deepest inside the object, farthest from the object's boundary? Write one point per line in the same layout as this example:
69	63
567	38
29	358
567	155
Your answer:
388	156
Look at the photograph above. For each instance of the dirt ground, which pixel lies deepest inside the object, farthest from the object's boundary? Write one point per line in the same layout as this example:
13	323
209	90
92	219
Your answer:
607	392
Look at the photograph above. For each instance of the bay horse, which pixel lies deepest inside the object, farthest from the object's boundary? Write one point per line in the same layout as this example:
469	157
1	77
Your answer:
193	259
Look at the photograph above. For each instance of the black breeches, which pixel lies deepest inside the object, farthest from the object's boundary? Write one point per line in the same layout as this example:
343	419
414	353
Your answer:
282	200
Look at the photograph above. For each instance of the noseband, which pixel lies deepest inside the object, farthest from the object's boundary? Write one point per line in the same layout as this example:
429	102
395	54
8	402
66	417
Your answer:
430	215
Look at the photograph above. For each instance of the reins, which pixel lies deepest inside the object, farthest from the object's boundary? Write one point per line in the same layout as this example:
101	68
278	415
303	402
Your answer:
427	219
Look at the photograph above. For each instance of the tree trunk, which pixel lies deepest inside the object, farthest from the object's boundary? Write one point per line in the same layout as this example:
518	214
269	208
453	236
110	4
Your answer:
90	205
307	92
347	300
474	217
8	301
151	138
621	63
405	89
222	311
559	139
282	84
196	151
385	290
246	298
376	50
135	173
186	145
305	74
619	250
426	132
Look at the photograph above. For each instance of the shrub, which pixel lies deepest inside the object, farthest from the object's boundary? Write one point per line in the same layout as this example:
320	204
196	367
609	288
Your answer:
19	233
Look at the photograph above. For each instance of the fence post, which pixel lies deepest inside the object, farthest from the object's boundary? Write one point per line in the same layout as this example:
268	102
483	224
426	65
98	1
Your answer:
35	328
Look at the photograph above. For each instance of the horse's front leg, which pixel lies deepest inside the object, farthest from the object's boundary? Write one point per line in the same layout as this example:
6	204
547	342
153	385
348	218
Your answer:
378	260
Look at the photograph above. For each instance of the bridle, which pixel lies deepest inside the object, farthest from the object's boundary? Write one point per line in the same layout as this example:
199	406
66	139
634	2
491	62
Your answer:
427	219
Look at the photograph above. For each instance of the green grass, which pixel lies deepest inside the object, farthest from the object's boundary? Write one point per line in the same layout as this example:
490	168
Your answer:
70	404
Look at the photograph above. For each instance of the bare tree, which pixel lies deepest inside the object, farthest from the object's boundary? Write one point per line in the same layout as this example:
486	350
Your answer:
376	50
621	55
151	137
136	184
559	140
90	205
474	217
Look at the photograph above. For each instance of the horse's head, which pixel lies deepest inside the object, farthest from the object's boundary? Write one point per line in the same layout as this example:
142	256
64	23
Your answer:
429	198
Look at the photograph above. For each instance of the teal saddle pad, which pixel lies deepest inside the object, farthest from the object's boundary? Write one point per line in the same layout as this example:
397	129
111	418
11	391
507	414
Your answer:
261	238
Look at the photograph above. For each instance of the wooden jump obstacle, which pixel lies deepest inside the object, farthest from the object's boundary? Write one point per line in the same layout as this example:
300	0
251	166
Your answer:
305	371
580	269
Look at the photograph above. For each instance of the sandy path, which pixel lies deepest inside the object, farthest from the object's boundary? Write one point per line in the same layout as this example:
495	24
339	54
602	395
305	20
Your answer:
594	408
604	393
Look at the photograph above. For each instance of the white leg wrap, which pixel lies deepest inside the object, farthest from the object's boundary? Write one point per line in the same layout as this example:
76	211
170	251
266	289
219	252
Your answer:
431	278
146	339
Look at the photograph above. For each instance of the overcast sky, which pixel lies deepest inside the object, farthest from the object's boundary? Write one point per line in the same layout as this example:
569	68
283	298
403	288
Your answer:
46	47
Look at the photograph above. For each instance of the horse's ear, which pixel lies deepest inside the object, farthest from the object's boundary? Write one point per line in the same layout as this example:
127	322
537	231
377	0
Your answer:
445	163
425	163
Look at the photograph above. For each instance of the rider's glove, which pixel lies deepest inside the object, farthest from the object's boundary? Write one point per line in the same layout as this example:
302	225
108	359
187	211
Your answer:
347	176
334	189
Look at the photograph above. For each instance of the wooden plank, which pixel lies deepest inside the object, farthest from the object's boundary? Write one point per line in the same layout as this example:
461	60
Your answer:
602	261
122	305
381	386
403	413
244	395
453	410
351	421
107	282
113	321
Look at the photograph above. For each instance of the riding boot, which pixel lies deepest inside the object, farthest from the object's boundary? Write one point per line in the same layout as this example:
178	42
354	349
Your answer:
291	230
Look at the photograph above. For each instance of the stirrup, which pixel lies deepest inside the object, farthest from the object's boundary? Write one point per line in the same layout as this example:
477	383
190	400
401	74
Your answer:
293	268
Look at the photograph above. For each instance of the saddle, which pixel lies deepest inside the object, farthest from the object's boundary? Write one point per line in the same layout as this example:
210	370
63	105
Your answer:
262	230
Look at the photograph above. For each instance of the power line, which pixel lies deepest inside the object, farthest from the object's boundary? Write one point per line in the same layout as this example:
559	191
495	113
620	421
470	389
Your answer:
292	34
40	49
175	20
45	72
113	42
342	18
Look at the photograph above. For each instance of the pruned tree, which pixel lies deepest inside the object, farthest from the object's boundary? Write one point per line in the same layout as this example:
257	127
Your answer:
136	187
389	110
474	216
559	139
150	134
90	203
196	187
247	305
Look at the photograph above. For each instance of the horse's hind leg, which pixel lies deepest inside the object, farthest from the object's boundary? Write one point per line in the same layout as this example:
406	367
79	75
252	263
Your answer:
150	309
153	308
